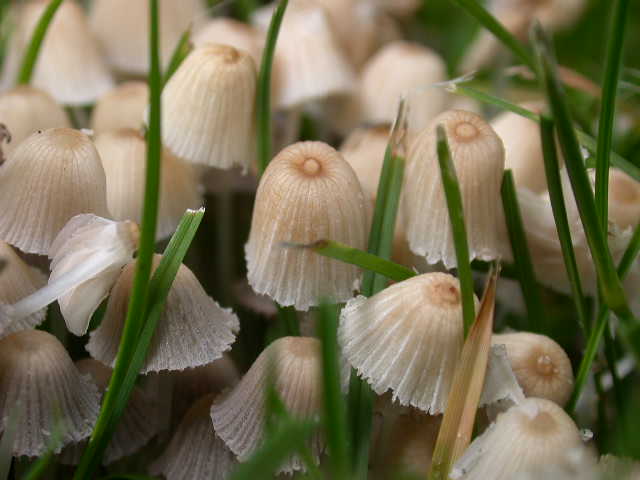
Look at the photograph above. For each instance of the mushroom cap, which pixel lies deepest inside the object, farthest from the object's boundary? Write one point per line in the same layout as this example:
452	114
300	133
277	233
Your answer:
122	107
307	193
51	176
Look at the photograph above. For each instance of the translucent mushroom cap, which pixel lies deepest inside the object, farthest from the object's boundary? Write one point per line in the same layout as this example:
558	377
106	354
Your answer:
122	27
17	280
122	107
70	66
51	176
624	199
307	193
535	433
25	109
42	387
195	451
415	69
407	339
193	329
123	154
541	366
478	156
227	31
294	363
209	108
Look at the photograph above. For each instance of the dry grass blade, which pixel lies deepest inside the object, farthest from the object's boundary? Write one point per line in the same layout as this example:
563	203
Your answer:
457	425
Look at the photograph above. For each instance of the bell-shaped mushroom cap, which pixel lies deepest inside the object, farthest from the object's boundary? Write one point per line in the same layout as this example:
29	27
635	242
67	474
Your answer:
552	14
624	199
209	108
122	107
307	193
135	428
193	329
478	156
309	61
17	280
535	433
401	8
195	451
25	109
415	69
522	148
41	386
52	176
227	31
541	366
123	154
122	28
407	339
70	66
294	363
364	149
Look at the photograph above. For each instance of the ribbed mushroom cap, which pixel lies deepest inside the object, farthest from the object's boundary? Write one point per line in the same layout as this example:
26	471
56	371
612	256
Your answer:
522	148
136	427
411	442
295	363
17	280
407	339
123	154
209	108
552	14
478	156
401	8
541	366
122	27
621	468
25	109
193	329
122	107
52	176
533	434
227	31
624	199
195	451
40	384
309	61
70	66
415	69
307	193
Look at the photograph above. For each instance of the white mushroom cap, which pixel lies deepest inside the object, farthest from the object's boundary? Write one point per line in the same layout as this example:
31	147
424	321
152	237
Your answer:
193	329
52	176
122	107
227	31
307	193
40	384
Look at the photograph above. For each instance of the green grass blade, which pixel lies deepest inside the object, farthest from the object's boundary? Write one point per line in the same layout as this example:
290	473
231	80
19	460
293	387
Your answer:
458	228
263	107
354	256
522	256
138	301
284	441
360	413
613	64
181	51
556	196
245	8
609	281
32	51
488	21
630	253
335	415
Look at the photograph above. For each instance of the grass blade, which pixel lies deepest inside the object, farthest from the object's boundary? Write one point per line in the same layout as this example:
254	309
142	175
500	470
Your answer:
522	256
182	50
459	417
556	196
263	107
354	256
458	228
35	43
286	439
138	301
488	21
613	64
609	281
335	415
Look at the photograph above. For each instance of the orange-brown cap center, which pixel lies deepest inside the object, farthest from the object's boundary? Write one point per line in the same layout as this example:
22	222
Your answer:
465	131
444	294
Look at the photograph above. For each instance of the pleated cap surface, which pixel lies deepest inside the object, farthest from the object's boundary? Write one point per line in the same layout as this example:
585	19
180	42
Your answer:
307	193
122	107
52	176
